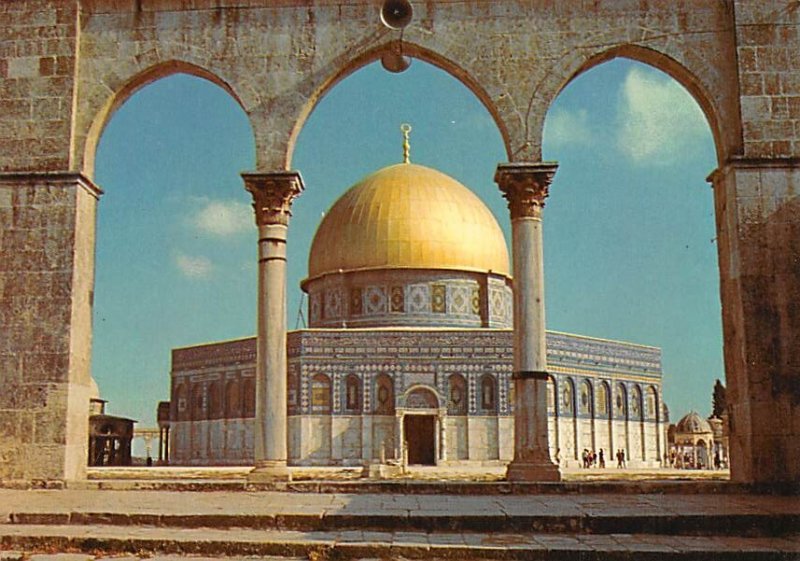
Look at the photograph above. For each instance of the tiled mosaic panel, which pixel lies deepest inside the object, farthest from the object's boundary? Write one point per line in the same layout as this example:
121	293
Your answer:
439	298
356	301
376	300
398	299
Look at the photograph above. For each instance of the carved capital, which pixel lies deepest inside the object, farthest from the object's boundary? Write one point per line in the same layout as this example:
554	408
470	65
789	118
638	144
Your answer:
273	194
525	186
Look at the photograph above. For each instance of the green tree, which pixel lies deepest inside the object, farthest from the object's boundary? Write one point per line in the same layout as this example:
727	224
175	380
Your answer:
719	401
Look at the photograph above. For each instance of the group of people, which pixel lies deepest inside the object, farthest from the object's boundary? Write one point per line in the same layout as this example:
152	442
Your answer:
690	461
596	459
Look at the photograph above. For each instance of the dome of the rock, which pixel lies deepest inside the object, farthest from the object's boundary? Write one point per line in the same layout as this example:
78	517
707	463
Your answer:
408	216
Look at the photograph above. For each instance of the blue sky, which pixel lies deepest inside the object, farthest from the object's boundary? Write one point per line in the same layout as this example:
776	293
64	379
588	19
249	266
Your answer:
629	226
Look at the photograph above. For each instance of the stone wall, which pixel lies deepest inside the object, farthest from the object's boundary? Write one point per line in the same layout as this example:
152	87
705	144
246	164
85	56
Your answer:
46	282
758	223
516	56
38	56
212	442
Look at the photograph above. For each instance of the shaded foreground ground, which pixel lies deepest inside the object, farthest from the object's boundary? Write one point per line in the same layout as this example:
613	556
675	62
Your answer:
579	520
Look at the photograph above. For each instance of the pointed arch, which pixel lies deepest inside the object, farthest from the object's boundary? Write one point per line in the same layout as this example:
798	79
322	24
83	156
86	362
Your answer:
568	398
621	401
488	393
348	67
198	402
420	396
651	404
586	404
384	395
249	397
636	403
603	406
352	394
457	398
133	85
233	399
668	65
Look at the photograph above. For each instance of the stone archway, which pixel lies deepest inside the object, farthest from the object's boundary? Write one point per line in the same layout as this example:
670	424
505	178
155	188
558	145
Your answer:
526	55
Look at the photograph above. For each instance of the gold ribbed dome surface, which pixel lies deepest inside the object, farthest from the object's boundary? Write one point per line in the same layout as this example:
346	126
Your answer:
412	217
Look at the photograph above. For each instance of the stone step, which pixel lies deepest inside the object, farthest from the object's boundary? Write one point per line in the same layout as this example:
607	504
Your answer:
752	524
702	514
103	541
436	487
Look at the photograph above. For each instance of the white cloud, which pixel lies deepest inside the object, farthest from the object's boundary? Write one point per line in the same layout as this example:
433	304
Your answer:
223	218
660	123
564	127
198	267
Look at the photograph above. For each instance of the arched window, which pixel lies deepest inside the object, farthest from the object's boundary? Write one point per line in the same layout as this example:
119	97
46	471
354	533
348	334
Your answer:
457	400
198	402
182	407
384	395
636	402
621	401
249	397
292	389
586	398
352	391
602	400
651	403
233	399
568	397
488	393
320	395
214	400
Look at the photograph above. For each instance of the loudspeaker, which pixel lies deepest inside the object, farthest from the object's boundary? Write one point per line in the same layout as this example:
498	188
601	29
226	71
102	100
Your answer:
396	14
395	62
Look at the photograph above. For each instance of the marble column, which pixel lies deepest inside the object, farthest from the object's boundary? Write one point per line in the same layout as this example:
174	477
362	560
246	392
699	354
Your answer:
273	194
525	186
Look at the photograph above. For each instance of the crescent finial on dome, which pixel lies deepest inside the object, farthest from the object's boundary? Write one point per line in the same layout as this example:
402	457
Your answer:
405	128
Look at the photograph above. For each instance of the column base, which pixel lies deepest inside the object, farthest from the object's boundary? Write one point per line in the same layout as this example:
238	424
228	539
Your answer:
270	472
533	471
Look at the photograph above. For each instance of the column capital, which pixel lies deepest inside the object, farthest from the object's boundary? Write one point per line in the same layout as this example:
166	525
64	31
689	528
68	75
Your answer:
273	194
525	186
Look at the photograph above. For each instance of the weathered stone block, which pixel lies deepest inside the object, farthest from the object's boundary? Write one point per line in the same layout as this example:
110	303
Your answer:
49	428
23	67
772	83
752	83
46	368
754	35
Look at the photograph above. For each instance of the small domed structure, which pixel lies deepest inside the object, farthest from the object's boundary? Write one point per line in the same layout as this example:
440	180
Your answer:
693	423
694	440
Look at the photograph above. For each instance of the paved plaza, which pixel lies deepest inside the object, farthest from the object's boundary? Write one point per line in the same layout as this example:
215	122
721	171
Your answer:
680	524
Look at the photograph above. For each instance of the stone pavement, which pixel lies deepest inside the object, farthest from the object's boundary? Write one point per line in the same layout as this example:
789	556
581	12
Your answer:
103	541
431	526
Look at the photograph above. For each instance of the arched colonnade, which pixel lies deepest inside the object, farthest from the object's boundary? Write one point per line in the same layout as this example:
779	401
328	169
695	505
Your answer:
277	61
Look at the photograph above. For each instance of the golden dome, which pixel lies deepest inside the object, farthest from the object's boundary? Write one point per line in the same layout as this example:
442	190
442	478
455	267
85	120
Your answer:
411	217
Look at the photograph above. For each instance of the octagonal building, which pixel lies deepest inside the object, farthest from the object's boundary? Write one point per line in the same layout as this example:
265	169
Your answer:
408	354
